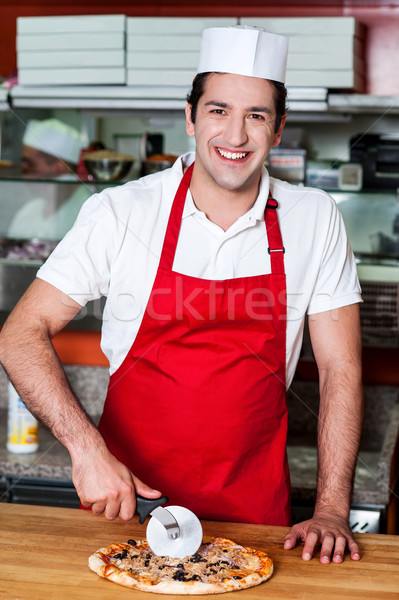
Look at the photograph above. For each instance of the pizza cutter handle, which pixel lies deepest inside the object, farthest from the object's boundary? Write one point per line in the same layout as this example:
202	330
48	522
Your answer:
145	505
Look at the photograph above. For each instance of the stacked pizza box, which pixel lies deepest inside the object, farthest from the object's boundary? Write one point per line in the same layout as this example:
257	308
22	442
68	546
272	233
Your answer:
162	53
323	51
71	50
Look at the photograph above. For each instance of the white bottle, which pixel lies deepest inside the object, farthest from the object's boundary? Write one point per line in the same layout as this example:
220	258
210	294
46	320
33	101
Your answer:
22	435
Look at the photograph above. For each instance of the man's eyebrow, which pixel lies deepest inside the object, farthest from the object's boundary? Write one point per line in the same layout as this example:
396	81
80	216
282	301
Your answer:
216	103
255	109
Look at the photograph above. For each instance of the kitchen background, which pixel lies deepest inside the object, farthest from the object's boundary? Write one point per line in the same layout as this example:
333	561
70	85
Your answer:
323	122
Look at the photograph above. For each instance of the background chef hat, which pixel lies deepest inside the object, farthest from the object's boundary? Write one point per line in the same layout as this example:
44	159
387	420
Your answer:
54	137
243	50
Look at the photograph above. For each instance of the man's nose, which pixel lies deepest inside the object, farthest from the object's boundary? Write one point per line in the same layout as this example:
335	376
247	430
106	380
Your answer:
236	134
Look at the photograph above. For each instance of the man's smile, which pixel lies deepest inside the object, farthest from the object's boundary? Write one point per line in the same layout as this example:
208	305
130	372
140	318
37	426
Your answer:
232	155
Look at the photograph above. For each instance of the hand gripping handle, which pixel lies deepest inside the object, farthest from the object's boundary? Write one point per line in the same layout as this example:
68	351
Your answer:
145	505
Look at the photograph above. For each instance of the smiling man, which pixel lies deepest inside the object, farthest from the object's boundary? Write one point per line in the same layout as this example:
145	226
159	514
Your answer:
233	139
209	269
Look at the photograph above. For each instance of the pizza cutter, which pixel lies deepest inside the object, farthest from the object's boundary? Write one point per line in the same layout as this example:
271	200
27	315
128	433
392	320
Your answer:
174	531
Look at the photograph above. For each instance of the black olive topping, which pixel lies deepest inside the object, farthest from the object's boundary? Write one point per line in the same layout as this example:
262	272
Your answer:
134	556
121	555
132	542
234	567
236	577
149	555
196	558
180	575
180	566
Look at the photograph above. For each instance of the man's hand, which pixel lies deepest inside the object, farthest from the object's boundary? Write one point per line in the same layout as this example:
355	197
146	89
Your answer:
332	532
108	487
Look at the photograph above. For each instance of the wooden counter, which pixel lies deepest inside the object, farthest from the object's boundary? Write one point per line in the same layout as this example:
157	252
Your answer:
44	553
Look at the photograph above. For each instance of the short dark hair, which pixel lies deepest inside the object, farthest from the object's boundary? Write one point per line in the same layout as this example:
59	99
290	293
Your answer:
197	89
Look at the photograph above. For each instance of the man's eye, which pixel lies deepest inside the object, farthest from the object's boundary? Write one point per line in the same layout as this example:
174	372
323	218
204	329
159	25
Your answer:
218	111
257	117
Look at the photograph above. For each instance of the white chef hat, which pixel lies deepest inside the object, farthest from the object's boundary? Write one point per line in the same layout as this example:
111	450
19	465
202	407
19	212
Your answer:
244	50
54	137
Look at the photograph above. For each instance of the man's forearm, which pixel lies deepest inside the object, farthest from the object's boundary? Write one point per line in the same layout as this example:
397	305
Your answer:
33	367
339	430
336	342
101	481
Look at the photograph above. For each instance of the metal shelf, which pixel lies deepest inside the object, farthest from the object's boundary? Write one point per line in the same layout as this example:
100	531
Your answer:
362	104
310	102
99	98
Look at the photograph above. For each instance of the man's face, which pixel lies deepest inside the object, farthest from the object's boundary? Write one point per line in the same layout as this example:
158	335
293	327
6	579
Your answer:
234	130
36	164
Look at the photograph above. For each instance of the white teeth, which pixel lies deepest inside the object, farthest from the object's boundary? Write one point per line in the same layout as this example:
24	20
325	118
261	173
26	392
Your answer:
232	155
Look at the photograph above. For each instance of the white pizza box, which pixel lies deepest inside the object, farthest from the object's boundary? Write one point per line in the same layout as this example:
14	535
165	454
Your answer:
326	44
175	25
71	24
160	77
71	58
307	93
303	106
158	60
103	76
292	26
163	43
326	60
296	60
345	79
71	41
312	44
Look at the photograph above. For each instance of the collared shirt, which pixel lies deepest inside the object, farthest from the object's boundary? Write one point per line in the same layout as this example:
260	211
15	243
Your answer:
114	248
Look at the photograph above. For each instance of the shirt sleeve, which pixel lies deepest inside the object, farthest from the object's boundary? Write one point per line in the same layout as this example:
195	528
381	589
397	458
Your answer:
337	283
80	264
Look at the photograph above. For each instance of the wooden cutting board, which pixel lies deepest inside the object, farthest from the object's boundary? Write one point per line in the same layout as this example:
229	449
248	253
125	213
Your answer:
44	553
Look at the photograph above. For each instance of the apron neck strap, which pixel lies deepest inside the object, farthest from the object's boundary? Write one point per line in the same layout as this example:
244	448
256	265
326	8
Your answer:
175	217
276	248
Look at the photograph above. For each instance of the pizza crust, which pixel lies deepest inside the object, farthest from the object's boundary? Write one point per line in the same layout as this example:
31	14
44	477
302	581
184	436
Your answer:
103	568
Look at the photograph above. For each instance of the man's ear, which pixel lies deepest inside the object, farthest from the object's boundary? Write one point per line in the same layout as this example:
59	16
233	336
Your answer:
189	124
277	135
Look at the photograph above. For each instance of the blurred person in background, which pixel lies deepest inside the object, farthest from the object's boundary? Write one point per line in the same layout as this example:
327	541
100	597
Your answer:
51	150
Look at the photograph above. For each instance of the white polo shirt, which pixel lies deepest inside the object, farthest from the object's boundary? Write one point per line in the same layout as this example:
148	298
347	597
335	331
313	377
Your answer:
114	247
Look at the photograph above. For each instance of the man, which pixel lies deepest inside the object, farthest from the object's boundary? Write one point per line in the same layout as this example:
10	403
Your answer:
209	269
51	150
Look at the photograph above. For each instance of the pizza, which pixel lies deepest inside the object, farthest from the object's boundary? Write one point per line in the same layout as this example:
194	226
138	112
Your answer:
220	565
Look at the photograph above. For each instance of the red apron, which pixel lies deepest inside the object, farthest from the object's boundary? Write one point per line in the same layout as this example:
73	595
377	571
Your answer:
197	409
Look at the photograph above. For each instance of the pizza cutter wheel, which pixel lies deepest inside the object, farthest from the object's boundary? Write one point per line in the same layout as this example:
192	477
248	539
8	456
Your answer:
173	531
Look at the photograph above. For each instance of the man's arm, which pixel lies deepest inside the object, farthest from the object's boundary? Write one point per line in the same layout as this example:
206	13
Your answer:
28	356
336	342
